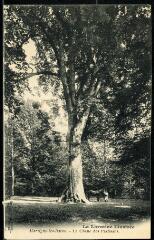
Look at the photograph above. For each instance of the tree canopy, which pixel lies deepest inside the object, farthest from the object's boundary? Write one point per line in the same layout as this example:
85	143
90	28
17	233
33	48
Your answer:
99	59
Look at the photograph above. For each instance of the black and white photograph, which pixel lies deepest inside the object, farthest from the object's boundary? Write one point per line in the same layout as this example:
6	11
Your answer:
77	121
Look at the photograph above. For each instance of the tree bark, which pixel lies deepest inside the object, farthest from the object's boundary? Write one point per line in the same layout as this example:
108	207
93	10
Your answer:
74	192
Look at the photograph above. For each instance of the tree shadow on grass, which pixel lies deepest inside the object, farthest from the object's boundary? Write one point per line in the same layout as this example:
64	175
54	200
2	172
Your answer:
59	213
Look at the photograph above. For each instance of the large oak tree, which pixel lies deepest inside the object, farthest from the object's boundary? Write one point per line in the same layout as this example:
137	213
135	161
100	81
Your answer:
82	50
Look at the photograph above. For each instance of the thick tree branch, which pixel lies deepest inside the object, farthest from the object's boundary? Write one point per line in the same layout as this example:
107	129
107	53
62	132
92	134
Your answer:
50	73
63	77
81	124
91	95
70	81
29	75
91	84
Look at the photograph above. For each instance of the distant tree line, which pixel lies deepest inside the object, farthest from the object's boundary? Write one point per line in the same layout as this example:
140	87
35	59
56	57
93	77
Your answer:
40	157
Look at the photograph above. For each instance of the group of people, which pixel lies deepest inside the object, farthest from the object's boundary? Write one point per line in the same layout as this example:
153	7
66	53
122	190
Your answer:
98	194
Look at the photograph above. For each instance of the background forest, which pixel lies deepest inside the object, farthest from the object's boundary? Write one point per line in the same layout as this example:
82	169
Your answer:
116	139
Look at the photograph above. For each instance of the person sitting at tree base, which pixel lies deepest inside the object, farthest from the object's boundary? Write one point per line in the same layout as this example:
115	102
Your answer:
106	197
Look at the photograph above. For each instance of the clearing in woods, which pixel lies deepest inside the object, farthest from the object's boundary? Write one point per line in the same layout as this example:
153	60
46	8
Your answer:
45	210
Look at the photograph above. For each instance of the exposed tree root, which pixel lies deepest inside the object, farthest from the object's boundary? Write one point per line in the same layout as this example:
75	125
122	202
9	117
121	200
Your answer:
67	197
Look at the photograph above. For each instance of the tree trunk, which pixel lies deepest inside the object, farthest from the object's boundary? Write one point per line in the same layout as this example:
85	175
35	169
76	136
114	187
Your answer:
74	192
12	163
75	189
12	180
32	188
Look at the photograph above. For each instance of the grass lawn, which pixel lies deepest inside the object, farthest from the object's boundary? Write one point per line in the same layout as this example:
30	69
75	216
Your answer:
33	212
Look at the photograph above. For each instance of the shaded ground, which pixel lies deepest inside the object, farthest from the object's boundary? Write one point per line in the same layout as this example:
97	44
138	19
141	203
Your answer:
34	210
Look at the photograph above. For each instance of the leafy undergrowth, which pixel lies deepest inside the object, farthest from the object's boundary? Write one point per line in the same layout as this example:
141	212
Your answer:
119	210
